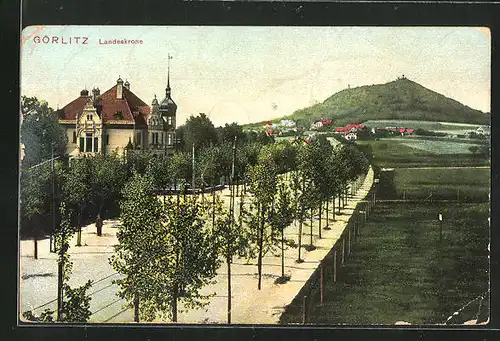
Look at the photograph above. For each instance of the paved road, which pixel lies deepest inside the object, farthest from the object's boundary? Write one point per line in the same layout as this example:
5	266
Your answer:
39	277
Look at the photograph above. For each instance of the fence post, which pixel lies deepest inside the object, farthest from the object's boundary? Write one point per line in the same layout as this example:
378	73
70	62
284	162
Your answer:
304	309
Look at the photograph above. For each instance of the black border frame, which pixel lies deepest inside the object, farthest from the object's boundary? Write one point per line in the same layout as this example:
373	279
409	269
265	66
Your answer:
202	12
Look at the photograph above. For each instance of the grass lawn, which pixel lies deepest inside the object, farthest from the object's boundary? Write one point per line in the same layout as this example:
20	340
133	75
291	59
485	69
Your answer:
466	184
399	271
427	125
393	153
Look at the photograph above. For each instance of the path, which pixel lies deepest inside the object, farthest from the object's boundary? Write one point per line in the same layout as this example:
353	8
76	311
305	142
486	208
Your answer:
249	305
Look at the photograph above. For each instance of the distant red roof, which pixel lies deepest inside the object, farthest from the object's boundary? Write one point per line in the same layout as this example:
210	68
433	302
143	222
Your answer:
410	131
402	130
130	109
326	122
340	129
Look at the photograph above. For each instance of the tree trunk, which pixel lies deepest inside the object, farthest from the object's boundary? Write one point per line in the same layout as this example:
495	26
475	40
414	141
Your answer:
240	214
300	236
79	226
333	208
35	242
35	247
228	260
283	253
311	227
319	226
340	198
174	302
136	307
213	204
59	290
261	241
327	219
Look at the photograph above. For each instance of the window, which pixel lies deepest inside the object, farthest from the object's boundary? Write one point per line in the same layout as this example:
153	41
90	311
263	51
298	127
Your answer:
169	139
89	117
82	144
96	144
107	139
169	120
74	136
88	143
162	139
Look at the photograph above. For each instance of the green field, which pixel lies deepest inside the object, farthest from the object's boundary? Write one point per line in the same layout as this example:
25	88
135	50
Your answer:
463	184
399	270
427	125
428	152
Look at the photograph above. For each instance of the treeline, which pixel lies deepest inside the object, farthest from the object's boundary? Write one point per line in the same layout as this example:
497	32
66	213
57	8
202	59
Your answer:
172	246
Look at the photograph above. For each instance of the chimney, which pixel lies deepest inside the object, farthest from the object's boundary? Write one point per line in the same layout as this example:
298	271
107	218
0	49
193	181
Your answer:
119	88
127	85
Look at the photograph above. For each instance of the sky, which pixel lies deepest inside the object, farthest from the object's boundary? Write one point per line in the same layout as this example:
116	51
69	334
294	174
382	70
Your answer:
250	74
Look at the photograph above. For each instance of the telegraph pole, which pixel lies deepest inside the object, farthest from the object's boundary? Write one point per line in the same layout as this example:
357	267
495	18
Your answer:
229	241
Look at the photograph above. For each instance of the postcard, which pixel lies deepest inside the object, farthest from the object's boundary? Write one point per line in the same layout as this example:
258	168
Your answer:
255	175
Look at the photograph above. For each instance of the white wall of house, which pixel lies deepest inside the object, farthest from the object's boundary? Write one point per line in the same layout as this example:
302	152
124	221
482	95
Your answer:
117	139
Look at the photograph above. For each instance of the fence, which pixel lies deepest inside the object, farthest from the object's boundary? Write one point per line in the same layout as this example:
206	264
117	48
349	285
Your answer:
312	293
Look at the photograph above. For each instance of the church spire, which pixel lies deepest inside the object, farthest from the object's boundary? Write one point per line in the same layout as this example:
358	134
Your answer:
167	90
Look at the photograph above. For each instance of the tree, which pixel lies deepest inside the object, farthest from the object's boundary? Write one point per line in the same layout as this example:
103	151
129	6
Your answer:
473	150
180	167
134	256
282	217
40	131
77	190
139	160
73	304
230	131
310	198
200	131
321	150
263	178
160	172
34	193
188	245
208	165
166	254
108	178
298	204
230	240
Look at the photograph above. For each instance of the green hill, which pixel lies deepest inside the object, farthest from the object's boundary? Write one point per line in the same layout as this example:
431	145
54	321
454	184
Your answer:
402	99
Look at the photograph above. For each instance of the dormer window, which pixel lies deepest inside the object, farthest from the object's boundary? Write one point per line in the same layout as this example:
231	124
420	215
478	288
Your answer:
118	115
89	117
169	120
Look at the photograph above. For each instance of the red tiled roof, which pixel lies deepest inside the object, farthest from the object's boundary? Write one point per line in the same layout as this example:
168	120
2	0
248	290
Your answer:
408	130
340	129
326	122
132	108
402	130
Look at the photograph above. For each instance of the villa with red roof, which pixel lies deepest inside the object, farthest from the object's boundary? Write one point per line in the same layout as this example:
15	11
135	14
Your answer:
117	120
